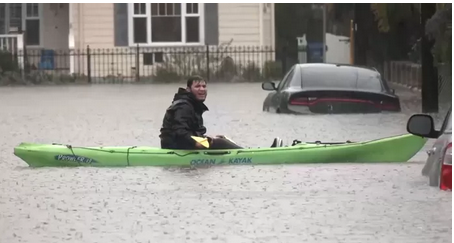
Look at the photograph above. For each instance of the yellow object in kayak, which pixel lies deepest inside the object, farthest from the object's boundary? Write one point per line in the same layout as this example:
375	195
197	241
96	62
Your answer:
203	141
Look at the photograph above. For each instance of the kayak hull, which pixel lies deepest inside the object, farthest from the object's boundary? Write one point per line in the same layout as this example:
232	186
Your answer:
399	148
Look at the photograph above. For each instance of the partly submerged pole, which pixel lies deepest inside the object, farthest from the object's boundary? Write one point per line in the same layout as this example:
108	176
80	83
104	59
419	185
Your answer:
352	42
324	31
429	86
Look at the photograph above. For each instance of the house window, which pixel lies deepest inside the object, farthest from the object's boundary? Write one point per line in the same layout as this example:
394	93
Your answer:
32	24
3	18
165	23
15	17
10	17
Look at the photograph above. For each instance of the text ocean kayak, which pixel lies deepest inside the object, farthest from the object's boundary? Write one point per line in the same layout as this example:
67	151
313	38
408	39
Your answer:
399	148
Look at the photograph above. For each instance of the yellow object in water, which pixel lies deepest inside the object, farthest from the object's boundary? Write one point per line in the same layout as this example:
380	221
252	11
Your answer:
203	141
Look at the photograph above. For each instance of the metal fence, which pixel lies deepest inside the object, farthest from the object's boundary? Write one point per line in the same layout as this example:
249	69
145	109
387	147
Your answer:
145	64
403	72
409	74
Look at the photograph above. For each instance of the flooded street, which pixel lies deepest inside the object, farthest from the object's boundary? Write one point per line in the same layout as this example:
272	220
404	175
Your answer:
292	203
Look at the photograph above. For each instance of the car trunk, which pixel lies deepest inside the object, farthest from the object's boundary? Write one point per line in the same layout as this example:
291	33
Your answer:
344	101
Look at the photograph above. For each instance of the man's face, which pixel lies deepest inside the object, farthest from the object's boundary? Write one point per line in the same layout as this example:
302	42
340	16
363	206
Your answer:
199	89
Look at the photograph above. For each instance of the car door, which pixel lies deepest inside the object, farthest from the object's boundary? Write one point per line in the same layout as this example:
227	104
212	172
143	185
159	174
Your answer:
277	98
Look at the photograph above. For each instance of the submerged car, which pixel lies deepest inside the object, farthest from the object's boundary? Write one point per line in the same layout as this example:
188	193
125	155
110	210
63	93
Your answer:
330	88
438	165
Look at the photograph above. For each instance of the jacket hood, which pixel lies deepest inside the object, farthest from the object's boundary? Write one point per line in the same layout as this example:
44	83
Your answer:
184	94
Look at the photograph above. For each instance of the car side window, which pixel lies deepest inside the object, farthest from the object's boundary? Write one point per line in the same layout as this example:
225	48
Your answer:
286	79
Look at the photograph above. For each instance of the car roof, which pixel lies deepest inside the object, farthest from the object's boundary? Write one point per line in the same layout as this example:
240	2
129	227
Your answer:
336	65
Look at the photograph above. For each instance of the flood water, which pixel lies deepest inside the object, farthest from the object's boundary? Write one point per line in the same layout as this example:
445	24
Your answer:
291	203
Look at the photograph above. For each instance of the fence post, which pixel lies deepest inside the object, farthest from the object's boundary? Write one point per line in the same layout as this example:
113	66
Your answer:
208	61
88	64
405	74
408	71
137	63
24	46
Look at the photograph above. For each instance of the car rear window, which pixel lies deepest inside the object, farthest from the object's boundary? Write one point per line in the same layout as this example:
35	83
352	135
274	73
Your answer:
341	77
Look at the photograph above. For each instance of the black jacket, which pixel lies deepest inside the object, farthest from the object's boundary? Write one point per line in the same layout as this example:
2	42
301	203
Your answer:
182	120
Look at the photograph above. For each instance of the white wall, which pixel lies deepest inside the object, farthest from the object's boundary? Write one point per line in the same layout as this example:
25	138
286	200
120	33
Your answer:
240	22
338	51
55	26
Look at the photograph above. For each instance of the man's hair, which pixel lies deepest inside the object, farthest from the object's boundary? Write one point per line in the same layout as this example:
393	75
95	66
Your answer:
193	79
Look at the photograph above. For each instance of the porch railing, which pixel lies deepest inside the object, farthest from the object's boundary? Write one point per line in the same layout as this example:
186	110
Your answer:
12	52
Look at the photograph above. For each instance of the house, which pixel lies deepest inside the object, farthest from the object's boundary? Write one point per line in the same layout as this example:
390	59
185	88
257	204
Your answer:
113	33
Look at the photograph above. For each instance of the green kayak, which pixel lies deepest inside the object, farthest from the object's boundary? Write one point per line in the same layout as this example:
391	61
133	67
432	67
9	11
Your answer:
399	148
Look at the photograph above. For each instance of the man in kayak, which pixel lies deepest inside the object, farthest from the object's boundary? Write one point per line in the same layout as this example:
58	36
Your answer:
183	120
